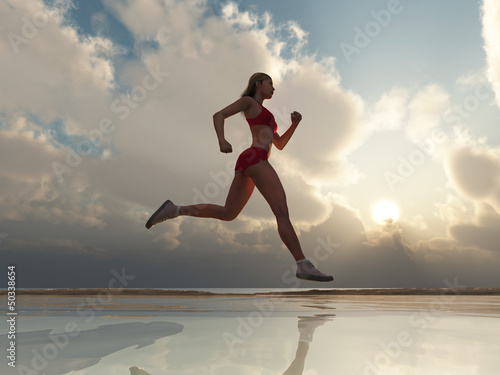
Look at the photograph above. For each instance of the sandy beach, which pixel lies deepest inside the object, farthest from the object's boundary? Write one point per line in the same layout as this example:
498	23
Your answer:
279	332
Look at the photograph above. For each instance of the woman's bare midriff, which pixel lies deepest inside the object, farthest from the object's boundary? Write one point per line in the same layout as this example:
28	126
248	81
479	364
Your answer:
262	136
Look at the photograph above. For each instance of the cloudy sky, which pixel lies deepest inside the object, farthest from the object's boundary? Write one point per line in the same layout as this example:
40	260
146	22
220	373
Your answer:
106	111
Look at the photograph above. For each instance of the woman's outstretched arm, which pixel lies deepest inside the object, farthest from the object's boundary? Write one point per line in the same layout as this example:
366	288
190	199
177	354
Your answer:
281	141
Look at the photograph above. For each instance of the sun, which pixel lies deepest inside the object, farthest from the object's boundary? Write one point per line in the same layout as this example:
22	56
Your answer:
385	212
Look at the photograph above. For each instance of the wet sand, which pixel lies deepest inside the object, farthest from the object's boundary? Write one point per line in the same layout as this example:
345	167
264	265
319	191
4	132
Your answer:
301	332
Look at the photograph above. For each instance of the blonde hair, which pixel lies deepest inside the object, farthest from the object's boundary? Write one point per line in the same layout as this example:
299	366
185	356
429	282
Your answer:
256	77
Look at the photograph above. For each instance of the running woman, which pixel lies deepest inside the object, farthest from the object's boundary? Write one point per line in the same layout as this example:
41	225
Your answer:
252	169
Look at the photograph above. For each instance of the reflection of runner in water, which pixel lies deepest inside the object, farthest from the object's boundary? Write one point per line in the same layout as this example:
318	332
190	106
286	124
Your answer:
252	169
307	326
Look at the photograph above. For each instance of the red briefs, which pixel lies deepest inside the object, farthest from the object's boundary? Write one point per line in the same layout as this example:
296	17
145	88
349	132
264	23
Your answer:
249	157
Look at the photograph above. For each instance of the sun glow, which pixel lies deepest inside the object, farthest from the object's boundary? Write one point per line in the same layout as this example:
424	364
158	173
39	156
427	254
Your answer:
385	212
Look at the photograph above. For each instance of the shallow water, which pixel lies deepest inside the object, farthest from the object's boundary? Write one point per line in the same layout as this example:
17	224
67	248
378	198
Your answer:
255	334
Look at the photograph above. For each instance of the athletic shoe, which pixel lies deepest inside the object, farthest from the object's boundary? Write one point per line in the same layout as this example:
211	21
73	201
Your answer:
307	271
308	324
167	211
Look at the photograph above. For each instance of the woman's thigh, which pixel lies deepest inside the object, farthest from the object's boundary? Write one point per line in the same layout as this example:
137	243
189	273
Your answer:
267	181
239	193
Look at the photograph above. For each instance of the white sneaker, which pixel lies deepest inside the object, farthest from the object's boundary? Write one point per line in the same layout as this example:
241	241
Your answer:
307	325
167	211
307	271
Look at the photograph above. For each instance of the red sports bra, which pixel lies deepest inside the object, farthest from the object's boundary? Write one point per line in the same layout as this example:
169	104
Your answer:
264	118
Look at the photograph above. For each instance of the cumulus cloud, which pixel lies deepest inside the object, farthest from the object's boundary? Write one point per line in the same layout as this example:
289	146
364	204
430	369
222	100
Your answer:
475	173
473	169
30	188
52	69
55	77
452	210
484	237
426	112
389	112
491	36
